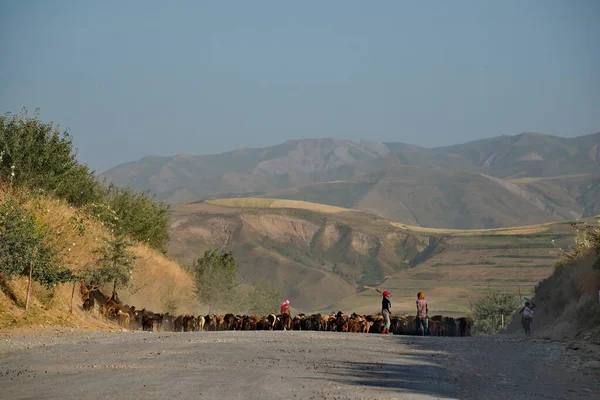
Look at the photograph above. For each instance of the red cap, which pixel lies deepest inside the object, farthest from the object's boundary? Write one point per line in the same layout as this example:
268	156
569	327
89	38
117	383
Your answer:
386	293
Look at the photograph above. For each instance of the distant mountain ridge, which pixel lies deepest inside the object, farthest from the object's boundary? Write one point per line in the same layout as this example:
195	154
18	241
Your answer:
496	182
458	199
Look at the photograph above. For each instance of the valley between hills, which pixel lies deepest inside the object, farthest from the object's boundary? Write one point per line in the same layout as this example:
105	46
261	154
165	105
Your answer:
321	218
320	257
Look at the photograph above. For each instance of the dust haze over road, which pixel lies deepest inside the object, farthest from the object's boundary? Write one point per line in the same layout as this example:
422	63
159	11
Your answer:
290	365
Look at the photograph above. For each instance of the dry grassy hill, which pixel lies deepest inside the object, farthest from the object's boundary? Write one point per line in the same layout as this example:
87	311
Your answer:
158	283
320	256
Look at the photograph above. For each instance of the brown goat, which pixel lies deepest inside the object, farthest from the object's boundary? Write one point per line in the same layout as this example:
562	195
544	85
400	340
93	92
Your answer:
228	320
124	318
220	322
189	323
271	320
465	324
238	323
252	323
298	322
200	322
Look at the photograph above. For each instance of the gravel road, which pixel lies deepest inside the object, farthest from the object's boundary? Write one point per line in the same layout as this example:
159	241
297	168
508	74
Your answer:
290	365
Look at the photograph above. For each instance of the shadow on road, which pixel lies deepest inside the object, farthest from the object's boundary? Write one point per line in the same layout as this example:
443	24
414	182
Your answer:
414	374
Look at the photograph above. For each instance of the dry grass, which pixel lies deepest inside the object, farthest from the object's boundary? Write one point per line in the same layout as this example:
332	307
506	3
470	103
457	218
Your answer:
548	178
518	230
326	209
46	308
449	291
158	283
278	203
161	284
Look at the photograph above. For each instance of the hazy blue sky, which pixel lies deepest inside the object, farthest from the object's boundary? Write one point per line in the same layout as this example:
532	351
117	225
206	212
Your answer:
136	78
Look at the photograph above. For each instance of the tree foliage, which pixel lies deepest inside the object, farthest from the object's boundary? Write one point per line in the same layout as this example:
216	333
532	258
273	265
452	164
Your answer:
489	310
139	216
264	299
36	155
215	277
22	246
114	265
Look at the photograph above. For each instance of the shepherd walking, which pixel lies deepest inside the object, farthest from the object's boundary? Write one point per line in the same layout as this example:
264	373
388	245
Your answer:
527	316
386	306
285	307
422	314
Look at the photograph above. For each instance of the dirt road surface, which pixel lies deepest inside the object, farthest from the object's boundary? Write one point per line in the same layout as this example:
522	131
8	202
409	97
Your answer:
289	365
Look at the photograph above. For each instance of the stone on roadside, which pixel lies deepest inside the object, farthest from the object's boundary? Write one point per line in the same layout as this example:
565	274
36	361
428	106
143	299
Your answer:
592	364
573	346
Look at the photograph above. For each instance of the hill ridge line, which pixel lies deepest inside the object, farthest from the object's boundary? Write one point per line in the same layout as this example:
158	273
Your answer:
289	204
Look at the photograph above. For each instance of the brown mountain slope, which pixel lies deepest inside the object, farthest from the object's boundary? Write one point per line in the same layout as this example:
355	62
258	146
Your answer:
313	257
318	160
443	198
303	157
583	189
450	191
530	154
321	256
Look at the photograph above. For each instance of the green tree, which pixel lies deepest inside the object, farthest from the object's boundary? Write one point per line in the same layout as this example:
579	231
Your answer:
23	251
114	265
215	277
264	299
36	155
491	310
138	216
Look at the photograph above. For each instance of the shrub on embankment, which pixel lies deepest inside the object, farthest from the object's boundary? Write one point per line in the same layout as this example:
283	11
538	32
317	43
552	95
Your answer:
156	282
568	302
59	221
493	312
38	157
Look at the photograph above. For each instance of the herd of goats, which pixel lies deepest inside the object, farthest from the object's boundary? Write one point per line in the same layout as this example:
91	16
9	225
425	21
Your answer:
129	317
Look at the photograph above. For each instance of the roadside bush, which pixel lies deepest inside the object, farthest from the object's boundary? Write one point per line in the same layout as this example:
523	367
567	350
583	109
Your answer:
23	251
39	157
215	277
587	239
488	312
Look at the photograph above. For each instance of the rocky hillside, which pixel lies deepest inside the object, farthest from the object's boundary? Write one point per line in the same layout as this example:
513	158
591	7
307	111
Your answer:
320	256
567	304
539	178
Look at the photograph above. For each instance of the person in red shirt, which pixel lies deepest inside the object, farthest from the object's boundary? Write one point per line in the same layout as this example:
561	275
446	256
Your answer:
386	310
285	307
